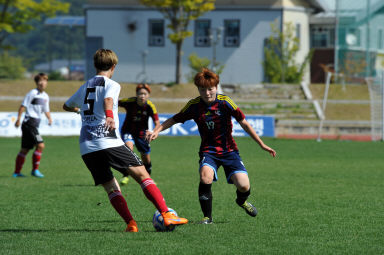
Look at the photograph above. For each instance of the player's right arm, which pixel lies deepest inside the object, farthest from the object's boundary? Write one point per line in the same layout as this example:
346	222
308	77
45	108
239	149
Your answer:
71	109
108	108
19	113
74	102
150	136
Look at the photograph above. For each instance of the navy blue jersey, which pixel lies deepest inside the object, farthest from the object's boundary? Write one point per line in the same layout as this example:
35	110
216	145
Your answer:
136	119
214	122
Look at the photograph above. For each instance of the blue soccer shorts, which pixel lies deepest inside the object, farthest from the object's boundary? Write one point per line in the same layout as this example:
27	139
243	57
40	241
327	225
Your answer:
230	161
141	144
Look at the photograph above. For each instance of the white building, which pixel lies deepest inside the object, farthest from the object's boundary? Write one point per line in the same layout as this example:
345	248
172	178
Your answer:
139	37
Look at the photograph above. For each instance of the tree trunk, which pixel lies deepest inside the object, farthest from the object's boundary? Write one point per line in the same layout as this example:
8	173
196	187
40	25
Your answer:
178	62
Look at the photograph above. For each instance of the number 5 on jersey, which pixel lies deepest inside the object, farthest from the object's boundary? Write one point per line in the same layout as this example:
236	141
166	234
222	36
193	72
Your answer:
89	102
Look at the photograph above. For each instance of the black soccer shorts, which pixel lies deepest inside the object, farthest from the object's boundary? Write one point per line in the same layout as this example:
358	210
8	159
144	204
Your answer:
100	162
30	136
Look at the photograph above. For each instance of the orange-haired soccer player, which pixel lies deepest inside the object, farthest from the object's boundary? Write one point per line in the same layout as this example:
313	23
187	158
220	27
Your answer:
35	103
138	110
212	113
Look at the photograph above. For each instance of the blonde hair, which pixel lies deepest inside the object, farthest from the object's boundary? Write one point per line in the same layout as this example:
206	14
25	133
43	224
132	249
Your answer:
206	79
104	59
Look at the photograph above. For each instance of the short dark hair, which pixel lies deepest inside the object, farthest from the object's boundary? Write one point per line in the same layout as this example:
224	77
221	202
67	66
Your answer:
104	59
40	76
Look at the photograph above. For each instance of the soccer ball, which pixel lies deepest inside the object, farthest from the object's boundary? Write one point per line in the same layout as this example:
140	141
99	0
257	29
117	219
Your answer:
158	221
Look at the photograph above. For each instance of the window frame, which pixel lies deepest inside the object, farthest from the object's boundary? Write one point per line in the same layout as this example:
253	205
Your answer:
209	36
150	35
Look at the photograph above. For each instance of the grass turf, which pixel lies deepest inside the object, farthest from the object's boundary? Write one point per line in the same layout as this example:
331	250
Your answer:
314	198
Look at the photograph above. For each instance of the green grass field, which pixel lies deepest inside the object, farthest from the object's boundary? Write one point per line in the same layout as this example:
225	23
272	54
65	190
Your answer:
314	198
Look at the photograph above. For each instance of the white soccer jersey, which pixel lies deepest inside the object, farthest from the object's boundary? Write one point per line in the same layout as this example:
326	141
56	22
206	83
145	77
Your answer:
36	103
90	99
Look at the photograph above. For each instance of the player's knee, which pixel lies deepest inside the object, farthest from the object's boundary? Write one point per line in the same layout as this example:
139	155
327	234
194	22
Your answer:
40	146
243	188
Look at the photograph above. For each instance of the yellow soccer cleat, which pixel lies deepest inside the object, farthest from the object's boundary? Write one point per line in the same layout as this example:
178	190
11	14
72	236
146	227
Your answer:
124	180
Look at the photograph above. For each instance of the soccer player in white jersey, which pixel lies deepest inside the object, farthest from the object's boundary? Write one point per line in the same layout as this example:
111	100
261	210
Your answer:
101	146
35	103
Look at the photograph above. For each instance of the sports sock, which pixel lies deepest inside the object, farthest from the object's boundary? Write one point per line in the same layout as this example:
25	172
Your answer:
118	202
36	159
153	194
19	162
205	199
242	196
148	167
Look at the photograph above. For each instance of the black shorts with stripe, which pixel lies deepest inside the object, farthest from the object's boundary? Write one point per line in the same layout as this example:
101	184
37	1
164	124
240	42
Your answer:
100	162
30	136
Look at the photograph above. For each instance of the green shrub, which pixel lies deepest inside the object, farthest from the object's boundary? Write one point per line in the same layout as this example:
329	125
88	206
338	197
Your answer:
196	64
280	53
11	67
55	76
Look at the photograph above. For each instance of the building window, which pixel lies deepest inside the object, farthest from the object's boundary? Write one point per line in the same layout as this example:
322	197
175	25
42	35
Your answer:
231	33
156	33
202	32
322	37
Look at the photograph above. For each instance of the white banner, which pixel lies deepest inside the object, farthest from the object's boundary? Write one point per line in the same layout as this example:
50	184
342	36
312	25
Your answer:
63	124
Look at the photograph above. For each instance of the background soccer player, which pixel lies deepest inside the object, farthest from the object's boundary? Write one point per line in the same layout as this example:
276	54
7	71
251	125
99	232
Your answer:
212	113
138	110
35	103
101	146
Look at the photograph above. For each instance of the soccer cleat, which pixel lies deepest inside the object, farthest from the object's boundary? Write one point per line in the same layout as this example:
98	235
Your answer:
206	220
16	175
249	208
37	173
171	219
132	226
124	180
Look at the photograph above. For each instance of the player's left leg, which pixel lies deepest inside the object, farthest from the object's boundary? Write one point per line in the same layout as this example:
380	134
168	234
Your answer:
36	157
243	191
145	149
154	195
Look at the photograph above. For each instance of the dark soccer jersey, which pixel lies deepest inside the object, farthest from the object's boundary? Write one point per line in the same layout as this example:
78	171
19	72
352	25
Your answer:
136	119
214	122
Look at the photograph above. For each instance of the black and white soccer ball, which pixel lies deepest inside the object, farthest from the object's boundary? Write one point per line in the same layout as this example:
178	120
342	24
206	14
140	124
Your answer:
158	221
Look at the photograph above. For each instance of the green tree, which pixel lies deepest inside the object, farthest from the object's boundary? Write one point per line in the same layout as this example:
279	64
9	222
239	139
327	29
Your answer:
16	15
179	14
11	67
280	56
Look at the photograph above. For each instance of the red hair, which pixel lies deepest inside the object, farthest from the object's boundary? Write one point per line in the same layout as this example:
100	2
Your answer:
206	79
143	86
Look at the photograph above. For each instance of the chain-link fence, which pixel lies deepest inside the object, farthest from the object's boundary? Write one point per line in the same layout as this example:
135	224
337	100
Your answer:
359	50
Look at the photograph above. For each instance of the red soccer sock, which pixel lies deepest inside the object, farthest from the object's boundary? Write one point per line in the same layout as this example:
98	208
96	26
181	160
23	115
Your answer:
19	162
154	195
36	159
118	202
